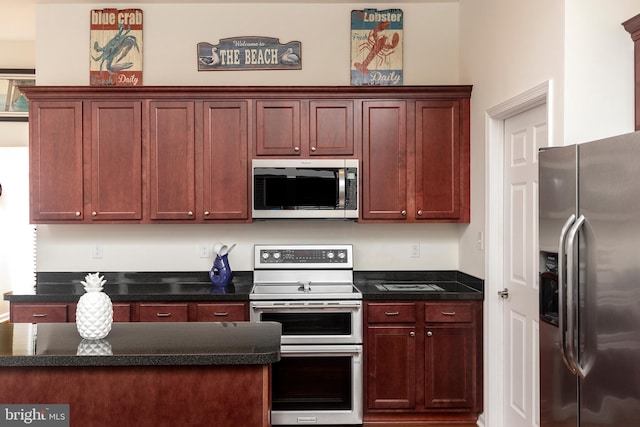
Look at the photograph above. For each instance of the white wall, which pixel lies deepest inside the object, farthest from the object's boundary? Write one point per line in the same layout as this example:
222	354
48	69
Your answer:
507	48
171	33
599	83
16	234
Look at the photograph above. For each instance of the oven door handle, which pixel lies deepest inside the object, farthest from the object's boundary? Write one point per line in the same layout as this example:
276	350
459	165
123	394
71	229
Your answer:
323	350
308	306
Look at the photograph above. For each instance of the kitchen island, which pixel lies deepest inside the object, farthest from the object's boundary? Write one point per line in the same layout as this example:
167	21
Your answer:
144	374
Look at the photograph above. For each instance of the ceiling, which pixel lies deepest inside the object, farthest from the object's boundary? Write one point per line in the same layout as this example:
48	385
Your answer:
18	21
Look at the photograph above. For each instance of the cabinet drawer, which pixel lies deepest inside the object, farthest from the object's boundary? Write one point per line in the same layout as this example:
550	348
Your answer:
163	312
39	313
233	312
448	313
391	313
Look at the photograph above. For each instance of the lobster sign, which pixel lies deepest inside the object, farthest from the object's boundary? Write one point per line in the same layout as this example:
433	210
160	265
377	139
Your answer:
376	47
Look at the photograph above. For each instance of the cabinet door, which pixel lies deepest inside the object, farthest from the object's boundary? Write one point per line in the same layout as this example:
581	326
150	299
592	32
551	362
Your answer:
116	160
225	159
121	312
278	131
172	160
438	160
55	154
331	128
384	177
391	367
449	362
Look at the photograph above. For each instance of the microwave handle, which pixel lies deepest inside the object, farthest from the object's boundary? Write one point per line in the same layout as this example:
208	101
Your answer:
342	185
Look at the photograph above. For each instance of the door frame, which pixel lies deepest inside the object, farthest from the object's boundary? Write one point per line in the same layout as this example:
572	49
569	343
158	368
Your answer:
494	223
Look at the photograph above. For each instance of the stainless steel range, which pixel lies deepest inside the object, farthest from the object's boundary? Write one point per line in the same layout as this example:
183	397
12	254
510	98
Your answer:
309	290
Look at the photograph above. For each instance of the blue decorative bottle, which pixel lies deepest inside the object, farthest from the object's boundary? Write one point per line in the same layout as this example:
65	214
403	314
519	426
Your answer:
221	273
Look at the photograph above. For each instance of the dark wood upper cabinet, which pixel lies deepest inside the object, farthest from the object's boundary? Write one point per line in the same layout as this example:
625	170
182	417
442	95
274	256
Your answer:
633	28
331	128
384	160
172	181
116	160
225	183
56	159
278	131
182	154
438	160
416	160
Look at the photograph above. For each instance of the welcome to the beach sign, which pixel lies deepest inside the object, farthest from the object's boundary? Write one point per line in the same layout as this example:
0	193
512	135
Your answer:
249	53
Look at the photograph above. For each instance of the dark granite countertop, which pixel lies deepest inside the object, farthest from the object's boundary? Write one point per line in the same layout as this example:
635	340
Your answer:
444	285
195	286
141	344
134	286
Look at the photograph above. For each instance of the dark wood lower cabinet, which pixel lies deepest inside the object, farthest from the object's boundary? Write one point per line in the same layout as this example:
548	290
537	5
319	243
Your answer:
146	396
423	363
123	311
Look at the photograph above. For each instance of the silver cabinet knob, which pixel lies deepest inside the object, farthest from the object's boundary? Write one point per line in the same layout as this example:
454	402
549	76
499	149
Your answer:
420	212
412	334
190	213
296	149
429	334
78	213
313	148
94	213
207	213
404	213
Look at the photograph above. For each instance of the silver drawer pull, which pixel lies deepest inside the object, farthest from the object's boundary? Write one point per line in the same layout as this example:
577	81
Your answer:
163	314
224	313
448	313
391	313
39	315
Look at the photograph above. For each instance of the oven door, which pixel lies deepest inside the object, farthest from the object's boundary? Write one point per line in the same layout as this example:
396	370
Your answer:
317	384
312	322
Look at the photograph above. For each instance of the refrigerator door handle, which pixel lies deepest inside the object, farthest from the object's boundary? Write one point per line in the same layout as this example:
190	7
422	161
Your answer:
561	296
571	304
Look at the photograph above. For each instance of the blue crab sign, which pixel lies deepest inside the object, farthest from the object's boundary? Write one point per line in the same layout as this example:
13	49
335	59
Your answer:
249	53
116	47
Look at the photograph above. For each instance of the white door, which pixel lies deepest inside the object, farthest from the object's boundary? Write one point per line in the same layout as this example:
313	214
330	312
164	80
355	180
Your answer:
524	133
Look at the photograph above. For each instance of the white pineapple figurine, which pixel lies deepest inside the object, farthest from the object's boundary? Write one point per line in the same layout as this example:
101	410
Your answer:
94	313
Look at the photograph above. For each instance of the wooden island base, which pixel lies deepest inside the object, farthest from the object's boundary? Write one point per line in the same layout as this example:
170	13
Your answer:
141	396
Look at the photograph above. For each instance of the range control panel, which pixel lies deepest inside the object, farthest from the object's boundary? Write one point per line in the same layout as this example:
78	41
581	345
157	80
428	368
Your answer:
303	256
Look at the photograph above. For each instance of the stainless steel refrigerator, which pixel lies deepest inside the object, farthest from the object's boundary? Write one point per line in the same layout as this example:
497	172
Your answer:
589	225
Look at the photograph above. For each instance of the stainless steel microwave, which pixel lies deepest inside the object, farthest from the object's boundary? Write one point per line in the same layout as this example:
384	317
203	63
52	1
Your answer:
310	188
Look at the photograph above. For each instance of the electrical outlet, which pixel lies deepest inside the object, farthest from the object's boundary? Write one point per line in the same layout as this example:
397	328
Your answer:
415	250
204	251
480	241
96	250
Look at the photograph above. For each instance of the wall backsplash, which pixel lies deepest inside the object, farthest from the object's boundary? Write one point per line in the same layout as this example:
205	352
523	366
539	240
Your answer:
176	247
